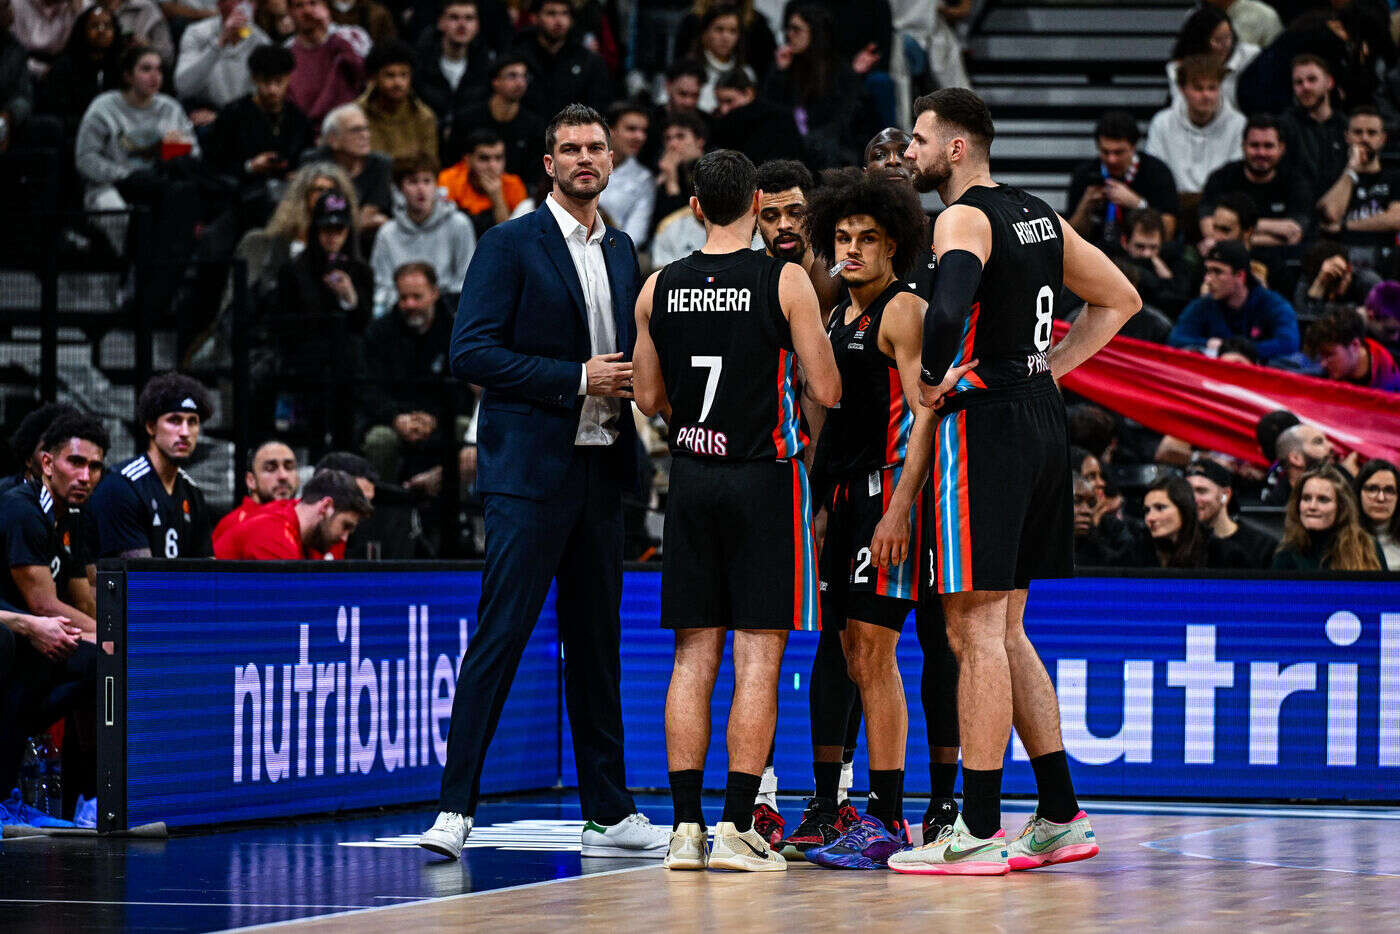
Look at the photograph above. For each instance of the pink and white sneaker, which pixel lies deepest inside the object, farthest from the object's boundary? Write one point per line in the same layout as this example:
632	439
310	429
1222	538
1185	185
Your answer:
1045	843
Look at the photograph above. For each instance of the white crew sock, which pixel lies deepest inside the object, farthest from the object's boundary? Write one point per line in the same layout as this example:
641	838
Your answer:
768	789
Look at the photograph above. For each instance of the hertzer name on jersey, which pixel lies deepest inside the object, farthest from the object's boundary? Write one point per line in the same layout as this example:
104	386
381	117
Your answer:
726	357
1009	327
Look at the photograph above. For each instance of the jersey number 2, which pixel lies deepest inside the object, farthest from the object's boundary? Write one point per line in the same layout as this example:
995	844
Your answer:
714	365
1044	317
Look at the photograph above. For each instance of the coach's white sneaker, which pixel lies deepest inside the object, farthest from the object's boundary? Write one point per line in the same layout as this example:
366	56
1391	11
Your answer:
447	834
745	852
689	849
633	836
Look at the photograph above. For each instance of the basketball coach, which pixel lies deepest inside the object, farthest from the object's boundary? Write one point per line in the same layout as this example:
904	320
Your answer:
545	325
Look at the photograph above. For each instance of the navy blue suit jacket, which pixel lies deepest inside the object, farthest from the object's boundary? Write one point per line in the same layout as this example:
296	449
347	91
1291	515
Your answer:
521	332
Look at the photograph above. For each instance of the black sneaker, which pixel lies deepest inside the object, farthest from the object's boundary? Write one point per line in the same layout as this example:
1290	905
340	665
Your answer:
818	828
768	824
940	814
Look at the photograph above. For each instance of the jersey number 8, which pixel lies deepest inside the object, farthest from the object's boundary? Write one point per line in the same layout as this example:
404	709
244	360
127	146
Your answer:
1044	317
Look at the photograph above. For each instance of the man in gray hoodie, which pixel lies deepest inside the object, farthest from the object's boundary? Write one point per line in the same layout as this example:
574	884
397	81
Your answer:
427	229
1202	132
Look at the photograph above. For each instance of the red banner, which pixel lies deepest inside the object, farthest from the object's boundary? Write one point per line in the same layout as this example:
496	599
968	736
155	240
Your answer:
1215	405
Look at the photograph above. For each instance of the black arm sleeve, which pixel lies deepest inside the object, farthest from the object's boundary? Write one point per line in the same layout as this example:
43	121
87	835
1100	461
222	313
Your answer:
959	275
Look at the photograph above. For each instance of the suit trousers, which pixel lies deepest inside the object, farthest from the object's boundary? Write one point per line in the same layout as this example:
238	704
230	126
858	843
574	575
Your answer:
575	540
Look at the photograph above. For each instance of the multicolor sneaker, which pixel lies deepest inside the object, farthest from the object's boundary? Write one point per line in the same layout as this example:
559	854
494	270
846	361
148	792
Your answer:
769	824
846	817
689	848
956	852
818	827
1044	843
867	845
744	851
941	813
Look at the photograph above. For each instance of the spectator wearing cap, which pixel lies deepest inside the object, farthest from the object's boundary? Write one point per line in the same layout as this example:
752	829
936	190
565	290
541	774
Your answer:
1362	207
212	69
1212	483
454	62
1164	280
427	229
400	125
1338	341
370	16
330	507
345	140
1202	132
1383	315
480	184
562	70
521	129
1329	281
1236	305
330	68
631	193
1123	179
149	506
327	281
754	126
271	476
1314	132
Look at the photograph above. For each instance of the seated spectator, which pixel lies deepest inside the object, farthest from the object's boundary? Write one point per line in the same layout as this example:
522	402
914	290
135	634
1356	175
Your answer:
631	192
1322	529
274	18
1236	305
1338	341
1163	282
1090	551
43	27
1329	281
1254	21
1376	488
370	16
330	508
1314	133
717	46
520	129
127	139
480	185
148	506
1095	429
1200	134
212	70
757	128
267	250
756	40
406	436
89	65
562	70
1212	483
271	477
400	125
454	62
1280	198
1207	31
427	228
1103	191
1383	315
144	22
1175	537
683	80
683	141
1363	204
329	62
1236	218
345	136
1298	449
259	137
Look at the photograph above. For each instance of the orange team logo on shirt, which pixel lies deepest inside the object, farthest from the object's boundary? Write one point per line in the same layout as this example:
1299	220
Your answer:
186	504
864	323
67	539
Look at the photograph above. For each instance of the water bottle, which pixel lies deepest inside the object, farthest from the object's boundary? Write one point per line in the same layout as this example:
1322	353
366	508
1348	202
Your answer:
51	781
29	773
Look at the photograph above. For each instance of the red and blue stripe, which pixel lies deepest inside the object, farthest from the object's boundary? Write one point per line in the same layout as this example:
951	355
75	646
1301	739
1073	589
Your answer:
788	438
902	580
970	379
952	517
900	423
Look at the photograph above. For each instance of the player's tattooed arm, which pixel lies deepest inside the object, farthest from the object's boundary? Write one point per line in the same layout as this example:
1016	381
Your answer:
648	386
1109	301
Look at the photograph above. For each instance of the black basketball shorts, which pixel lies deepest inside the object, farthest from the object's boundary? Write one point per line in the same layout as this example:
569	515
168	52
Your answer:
738	550
1000	490
853	586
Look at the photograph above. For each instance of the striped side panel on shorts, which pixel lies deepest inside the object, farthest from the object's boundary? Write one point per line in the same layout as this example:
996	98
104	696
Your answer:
806	607
952	518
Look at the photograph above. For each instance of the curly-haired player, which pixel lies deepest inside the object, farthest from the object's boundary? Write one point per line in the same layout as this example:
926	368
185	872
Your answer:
873	452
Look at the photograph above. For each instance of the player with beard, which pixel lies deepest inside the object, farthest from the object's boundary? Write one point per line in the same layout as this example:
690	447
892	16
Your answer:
1001	483
784	185
271	477
149	506
330	508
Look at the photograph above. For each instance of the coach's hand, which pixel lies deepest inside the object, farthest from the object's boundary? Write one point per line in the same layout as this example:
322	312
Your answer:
609	375
54	636
931	397
890	544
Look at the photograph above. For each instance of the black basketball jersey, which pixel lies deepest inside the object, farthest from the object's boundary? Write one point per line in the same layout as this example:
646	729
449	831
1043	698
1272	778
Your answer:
727	357
921	275
31	535
869	428
133	511
1009	327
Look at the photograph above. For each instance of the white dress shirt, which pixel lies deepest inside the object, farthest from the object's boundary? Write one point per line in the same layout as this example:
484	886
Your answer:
597	424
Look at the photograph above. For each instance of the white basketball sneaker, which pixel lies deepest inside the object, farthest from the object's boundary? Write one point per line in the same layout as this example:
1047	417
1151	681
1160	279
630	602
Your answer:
634	836
447	834
745	852
689	849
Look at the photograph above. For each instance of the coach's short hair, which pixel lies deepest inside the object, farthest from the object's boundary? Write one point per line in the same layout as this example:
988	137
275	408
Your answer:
173	392
782	174
725	181
75	424
345	494
961	109
895	208
574	115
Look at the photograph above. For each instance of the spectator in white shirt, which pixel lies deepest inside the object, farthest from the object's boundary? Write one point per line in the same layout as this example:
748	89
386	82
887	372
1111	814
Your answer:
212	70
1202	132
631	193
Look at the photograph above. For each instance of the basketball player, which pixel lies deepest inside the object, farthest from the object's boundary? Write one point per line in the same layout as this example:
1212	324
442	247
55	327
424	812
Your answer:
784	186
1001	481
271	477
719	337
938	687
148	506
